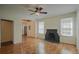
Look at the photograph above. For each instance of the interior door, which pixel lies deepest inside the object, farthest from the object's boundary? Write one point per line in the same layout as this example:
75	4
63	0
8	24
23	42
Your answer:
31	29
6	31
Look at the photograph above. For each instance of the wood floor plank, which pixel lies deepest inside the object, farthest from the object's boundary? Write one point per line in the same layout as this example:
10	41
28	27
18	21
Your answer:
30	46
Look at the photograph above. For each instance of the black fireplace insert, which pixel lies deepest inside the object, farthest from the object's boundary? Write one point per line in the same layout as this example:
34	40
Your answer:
52	35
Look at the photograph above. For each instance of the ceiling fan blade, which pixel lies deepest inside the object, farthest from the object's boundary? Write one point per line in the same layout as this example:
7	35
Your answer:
31	10
40	8
43	12
32	13
36	8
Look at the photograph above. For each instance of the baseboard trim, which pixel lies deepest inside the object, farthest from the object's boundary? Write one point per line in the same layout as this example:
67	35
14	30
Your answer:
6	43
69	44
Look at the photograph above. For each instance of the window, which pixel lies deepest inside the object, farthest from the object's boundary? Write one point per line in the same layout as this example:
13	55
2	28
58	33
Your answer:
41	27
67	26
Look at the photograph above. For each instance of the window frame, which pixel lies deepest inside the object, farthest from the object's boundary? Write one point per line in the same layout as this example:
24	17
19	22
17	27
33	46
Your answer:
72	28
39	28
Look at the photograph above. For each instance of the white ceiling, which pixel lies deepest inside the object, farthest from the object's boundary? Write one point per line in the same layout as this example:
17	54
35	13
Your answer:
53	9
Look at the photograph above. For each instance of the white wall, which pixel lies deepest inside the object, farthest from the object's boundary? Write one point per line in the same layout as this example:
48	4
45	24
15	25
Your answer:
54	23
15	13
17	32
77	29
1	11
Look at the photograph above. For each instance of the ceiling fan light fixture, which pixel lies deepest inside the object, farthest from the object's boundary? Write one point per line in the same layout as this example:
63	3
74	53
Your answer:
37	14
38	11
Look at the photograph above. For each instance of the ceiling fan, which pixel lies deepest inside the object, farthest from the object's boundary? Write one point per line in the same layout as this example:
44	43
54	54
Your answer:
37	11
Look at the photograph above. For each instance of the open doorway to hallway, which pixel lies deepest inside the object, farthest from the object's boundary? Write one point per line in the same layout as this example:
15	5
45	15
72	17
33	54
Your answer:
28	28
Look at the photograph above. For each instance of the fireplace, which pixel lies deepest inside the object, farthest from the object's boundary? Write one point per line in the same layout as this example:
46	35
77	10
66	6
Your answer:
52	35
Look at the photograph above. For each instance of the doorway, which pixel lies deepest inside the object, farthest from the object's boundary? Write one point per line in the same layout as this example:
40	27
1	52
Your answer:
28	28
6	32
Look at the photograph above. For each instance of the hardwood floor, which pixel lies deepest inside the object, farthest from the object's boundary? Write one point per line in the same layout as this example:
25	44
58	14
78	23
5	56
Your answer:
31	46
